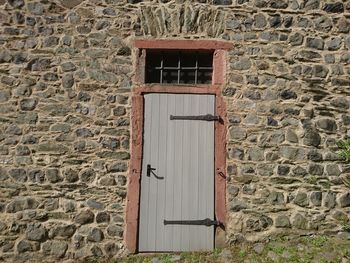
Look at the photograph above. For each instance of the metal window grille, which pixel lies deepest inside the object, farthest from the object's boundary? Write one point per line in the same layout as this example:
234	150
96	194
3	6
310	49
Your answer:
179	67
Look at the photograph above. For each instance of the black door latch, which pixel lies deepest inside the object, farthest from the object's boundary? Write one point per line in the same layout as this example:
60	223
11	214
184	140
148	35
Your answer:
205	222
151	170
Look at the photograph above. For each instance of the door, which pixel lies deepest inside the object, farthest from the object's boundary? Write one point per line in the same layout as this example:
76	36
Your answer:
177	181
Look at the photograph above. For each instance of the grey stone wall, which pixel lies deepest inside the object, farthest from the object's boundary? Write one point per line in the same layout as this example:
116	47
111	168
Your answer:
66	71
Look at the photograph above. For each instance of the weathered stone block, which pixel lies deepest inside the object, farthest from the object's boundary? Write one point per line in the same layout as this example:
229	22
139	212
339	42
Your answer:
36	233
95	235
301	199
316	198
336	7
282	221
329	200
299	221
237	205
327	124
344	200
84	217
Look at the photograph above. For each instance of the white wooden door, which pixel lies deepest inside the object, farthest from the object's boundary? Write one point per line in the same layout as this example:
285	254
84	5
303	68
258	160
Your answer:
180	185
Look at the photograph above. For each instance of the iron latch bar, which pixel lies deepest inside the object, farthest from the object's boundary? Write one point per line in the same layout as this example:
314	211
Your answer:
207	117
205	222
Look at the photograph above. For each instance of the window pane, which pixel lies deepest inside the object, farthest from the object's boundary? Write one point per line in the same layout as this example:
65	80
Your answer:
171	59
153	76
204	76
187	76
170	76
188	59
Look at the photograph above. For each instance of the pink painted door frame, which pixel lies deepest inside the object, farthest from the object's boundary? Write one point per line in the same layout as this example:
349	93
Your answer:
137	104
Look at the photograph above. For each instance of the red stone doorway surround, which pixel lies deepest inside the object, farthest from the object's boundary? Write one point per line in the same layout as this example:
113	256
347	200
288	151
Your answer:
140	88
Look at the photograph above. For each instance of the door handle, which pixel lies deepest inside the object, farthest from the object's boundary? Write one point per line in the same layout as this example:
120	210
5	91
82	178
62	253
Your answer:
151	170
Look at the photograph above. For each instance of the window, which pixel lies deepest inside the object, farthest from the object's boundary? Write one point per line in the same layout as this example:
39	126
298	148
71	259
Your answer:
179	67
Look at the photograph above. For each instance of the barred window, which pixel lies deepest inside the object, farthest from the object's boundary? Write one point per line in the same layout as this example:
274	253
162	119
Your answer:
179	66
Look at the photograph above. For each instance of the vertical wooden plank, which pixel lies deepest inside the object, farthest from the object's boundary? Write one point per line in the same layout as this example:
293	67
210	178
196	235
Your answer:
210	171
170	195
178	171
186	190
145	181
161	171
194	174
154	162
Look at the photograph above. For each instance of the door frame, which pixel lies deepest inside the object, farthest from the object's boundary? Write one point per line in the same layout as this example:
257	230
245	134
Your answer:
137	120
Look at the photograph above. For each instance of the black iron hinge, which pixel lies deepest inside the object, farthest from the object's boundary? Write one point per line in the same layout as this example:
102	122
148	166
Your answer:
207	117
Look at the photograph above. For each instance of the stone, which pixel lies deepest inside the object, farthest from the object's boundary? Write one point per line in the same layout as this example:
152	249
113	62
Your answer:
35	8
95	235
117	167
84	217
283	170
233	191
242	64
111	249
320	71
222	2
282	221
315	156
13	130
67	81
18	174
315	169
103	217
87	175
93	204
344	200
299	171
16	3
237	133
311	138
84	132
316	198
64	231
329	200
275	21
114	230
334	43
96	251
255	154
24	246
248	189
260	21
276	198
336	7
259	248
299	221
301	199
340	102
55	248
35	233
237	205
296	39
327	124
343	25
70	3
68	66
316	43
288	94
71	175
53	175
333	170
22	203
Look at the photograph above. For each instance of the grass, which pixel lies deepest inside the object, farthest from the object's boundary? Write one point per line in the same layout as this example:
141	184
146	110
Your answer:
314	248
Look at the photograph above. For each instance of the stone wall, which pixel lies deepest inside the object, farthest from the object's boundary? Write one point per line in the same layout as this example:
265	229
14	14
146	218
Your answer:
66	71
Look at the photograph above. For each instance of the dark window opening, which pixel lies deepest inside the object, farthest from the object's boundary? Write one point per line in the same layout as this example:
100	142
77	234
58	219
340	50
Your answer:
179	67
